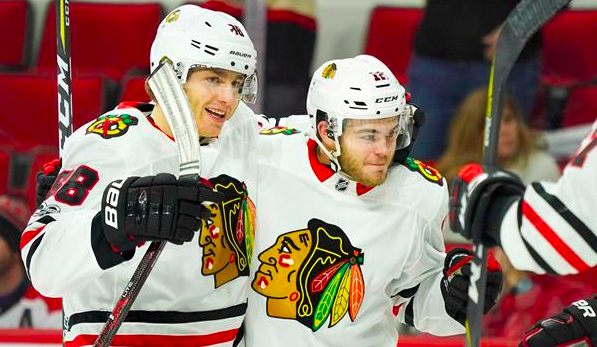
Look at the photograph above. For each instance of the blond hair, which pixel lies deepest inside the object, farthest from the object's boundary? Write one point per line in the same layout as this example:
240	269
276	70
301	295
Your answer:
465	138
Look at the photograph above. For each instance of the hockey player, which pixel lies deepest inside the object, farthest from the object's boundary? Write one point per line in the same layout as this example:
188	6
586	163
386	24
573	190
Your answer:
545	228
81	244
345	235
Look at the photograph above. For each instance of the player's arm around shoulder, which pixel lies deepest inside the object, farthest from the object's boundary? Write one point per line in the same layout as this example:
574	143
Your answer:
420	296
58	247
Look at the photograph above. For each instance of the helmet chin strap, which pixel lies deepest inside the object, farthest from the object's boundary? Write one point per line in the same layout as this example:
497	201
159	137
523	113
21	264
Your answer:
332	156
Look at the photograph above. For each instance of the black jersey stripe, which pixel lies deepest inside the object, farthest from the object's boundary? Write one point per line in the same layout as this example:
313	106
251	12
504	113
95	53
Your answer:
159	317
32	249
409	315
409	292
580	227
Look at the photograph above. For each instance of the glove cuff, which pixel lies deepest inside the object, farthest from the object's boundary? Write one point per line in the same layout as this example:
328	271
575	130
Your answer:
584	314
113	216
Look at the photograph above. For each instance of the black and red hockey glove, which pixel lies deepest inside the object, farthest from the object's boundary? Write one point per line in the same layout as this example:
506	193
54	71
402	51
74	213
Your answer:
456	280
479	199
154	208
575	326
45	179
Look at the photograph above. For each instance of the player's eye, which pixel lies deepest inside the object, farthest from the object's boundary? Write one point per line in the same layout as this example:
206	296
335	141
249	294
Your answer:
214	80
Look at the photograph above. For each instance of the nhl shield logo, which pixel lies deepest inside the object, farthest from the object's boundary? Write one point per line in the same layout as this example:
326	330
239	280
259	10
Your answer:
342	184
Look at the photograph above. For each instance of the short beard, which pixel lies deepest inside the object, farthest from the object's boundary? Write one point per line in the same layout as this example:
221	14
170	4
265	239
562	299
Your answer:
353	168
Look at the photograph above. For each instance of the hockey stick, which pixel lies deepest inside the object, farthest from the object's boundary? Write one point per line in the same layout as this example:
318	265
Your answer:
65	114
526	18
173	102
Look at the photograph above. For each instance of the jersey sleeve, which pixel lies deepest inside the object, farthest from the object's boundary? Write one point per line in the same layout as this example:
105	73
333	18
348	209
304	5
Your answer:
552	227
59	247
416	292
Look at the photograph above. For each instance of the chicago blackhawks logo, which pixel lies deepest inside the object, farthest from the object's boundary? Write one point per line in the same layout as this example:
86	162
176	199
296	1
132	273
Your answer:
310	275
279	130
109	126
329	72
172	17
429	173
227	237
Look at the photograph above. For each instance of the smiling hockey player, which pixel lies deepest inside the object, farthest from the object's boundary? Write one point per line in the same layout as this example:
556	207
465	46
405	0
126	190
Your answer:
81	243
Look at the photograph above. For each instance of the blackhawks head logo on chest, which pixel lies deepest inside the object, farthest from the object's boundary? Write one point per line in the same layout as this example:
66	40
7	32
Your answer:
310	275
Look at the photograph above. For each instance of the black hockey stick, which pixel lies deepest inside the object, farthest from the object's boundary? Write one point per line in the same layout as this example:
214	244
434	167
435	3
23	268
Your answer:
173	102
526	18
65	114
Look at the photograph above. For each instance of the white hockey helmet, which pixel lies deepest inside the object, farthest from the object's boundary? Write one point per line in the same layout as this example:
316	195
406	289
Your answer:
356	88
192	36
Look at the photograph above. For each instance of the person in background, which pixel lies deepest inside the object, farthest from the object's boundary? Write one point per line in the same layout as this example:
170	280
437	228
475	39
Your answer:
452	56
520	150
517	307
21	306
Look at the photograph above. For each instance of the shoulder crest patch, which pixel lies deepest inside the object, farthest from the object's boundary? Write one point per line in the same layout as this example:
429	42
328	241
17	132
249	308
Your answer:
279	130
429	173
109	126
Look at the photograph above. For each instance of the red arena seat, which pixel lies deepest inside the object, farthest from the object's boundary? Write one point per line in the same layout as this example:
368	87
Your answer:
570	47
15	25
106	38
391	35
133	89
31	107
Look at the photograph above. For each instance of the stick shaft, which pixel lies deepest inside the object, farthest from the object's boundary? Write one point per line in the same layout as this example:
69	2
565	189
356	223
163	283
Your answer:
63	59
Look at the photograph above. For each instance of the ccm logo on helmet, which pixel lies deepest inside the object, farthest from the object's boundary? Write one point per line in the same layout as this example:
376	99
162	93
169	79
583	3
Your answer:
110	212
240	54
387	99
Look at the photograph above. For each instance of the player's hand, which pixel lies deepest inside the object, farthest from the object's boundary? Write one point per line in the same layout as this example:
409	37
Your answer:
45	179
418	121
154	208
576	324
479	199
456	280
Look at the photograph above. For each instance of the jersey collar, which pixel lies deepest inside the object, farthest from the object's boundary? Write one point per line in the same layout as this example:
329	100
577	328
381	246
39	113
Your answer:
324	172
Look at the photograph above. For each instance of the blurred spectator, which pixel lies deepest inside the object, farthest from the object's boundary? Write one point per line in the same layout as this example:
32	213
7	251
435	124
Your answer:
520	150
20	305
453	49
528	298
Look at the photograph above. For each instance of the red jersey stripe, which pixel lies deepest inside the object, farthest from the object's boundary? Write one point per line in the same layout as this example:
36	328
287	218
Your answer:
560	246
159	340
30	235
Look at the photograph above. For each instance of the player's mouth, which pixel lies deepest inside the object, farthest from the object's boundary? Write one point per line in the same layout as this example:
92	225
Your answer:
262	282
216	114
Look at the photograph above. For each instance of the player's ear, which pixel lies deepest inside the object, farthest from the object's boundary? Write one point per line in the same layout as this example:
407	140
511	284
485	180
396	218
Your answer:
325	134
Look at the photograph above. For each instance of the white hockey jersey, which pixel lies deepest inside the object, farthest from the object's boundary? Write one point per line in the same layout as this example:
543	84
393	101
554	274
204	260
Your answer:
28	309
332	257
552	228
197	292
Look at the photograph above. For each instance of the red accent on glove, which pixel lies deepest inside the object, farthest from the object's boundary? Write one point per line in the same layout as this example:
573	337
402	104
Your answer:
492	263
51	167
458	265
470	171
